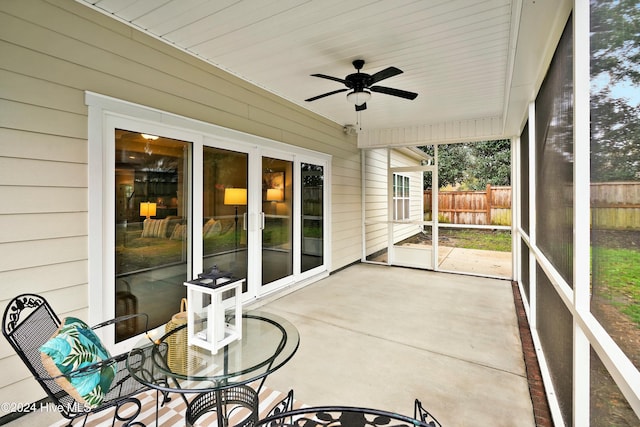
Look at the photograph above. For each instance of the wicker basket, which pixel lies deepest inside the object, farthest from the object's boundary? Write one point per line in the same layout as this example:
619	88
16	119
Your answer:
177	354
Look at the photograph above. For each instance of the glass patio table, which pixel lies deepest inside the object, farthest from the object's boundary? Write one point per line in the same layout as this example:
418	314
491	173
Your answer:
219	379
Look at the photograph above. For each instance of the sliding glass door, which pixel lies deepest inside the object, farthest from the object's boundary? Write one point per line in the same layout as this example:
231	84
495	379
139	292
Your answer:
175	221
224	211
151	253
312	216
174	204
277	220
293	223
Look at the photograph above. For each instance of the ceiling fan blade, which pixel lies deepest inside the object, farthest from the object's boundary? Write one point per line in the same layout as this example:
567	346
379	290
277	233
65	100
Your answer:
326	94
361	107
395	92
385	74
335	79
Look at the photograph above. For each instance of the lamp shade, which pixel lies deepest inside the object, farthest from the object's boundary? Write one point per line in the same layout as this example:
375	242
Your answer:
358	97
147	209
235	196
274	195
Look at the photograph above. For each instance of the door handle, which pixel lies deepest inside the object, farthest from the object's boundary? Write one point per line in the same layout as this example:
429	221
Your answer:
244	221
262	220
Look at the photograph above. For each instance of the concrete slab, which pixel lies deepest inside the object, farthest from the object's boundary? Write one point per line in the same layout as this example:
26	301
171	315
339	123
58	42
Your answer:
477	261
458	260
379	337
382	336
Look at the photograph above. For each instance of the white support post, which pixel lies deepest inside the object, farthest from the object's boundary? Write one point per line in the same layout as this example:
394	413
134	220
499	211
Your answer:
581	208
435	230
532	216
515	209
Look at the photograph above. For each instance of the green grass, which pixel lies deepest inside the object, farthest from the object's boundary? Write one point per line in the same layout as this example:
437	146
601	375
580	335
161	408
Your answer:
470	238
616	274
616	271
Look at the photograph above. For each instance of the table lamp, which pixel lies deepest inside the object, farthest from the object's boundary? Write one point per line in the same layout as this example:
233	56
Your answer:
235	197
274	195
147	209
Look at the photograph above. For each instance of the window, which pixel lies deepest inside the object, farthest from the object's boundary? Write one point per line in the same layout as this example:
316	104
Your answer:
401	187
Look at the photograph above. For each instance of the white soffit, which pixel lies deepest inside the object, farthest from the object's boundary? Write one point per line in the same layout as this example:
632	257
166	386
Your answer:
458	55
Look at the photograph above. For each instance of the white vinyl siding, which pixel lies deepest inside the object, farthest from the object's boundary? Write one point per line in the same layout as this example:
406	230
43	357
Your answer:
377	210
52	52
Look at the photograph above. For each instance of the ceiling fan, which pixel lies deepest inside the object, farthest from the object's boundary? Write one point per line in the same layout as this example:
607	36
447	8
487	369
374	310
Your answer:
361	87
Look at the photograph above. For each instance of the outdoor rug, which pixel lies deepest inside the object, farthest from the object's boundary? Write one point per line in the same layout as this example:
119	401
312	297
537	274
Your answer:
173	412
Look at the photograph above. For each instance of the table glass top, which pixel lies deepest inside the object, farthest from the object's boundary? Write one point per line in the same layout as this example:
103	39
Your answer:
268	342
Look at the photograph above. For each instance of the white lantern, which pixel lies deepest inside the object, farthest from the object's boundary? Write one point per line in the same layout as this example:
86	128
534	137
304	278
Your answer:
214	312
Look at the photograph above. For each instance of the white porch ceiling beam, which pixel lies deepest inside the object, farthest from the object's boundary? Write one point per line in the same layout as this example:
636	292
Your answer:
445	132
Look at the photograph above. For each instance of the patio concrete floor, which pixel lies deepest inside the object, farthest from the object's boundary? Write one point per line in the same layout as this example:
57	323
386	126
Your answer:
380	337
461	260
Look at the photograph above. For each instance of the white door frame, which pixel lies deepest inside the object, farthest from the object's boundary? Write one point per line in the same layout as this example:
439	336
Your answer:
394	259
105	114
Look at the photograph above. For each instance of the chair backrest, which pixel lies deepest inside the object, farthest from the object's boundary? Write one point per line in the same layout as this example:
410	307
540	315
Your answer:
29	322
423	415
339	416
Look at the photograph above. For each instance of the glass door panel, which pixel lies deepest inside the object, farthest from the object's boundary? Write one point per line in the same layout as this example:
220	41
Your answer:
312	182
151	206
277	224
224	199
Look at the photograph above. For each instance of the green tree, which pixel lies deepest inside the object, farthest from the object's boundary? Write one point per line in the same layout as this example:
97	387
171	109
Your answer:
490	164
615	59
473	165
453	160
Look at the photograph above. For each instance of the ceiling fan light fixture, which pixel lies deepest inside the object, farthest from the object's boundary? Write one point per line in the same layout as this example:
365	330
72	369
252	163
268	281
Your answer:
358	97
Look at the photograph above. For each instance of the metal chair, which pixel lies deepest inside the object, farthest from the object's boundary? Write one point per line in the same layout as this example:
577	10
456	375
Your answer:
283	406
335	416
423	415
29	322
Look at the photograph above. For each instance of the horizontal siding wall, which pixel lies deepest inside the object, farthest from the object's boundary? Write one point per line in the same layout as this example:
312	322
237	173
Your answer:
376	190
376	200
51	52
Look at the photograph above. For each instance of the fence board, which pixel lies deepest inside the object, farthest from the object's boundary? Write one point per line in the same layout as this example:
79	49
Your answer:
489	207
614	205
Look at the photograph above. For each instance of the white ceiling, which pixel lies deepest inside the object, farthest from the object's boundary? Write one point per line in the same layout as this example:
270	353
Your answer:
460	56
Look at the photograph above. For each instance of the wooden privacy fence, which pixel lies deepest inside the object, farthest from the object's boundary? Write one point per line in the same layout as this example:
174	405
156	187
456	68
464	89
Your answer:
489	207
614	206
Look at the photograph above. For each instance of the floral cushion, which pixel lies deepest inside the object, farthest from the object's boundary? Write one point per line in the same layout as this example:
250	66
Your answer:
74	346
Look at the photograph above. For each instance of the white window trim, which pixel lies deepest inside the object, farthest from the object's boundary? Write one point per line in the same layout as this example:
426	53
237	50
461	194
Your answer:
406	216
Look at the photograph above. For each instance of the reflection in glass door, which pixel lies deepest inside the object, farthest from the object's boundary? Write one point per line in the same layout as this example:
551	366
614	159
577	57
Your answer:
277	224
224	199
151	218
312	182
